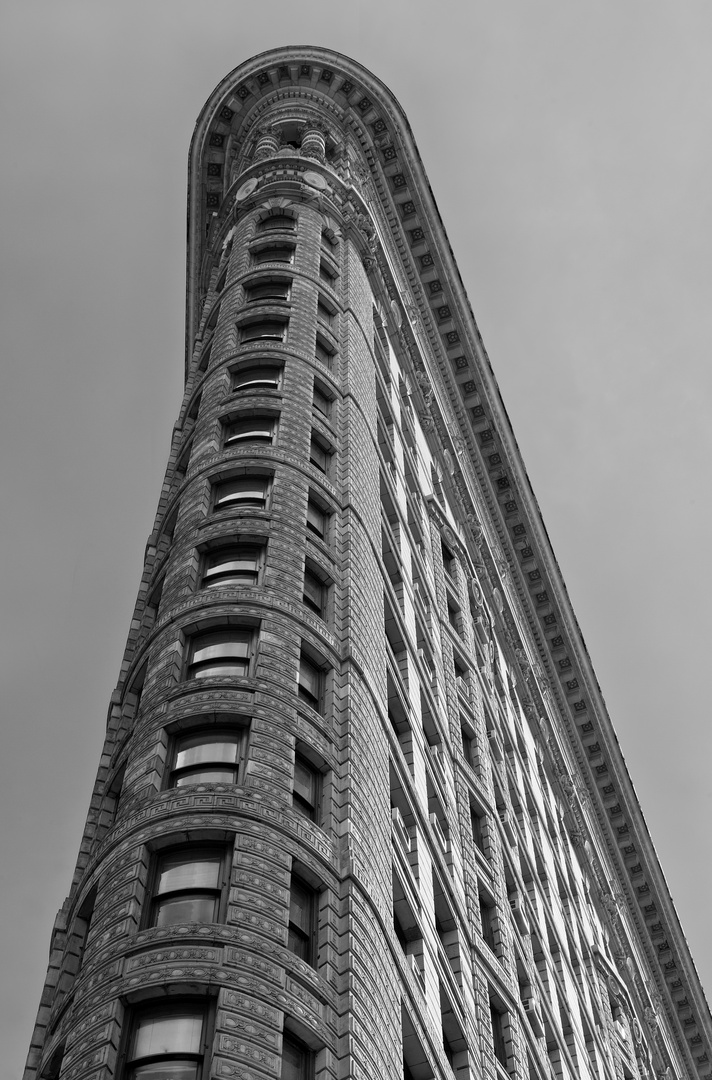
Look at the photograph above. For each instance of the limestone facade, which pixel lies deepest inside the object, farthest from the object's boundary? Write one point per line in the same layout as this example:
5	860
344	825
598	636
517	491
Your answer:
361	812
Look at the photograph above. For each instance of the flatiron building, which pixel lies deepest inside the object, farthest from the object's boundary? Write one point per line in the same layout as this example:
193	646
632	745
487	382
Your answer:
361	813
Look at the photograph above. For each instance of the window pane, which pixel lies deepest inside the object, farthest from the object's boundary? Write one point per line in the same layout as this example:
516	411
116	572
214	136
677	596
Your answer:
301	906
294	1061
177	1033
189	870
309	678
221	647
215	775
316	520
313	592
186	909
197	749
321	402
256	377
167	1070
235	566
278	221
268	290
256	427
305	782
278	253
248	489
221	669
318	456
273	331
299	944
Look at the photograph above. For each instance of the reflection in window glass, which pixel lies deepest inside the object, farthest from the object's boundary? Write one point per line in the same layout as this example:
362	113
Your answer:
207	758
241	491
234	565
188	885
224	653
301	920
265	377
167	1045
250	429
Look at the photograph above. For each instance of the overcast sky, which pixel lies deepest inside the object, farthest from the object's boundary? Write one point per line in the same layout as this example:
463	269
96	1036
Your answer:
568	147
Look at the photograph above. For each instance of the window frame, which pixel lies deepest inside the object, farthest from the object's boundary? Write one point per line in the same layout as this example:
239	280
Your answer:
304	693
306	1066
301	804
320	452
229	501
324	351
157	901
320	391
266	224
202	1008
257	385
316	507
235	551
274	330
259	256
176	772
257	291
295	932
260	427
311	574
212	638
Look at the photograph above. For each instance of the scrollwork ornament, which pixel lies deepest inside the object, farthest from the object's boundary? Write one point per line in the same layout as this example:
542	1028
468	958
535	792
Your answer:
475	528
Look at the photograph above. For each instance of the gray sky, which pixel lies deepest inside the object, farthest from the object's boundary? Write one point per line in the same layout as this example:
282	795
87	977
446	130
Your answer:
568	146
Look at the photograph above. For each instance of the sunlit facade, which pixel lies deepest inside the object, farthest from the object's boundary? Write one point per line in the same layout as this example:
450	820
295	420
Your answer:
361	813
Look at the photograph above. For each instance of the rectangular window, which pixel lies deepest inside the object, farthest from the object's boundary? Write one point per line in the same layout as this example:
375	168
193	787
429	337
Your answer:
326	274
322	403
277	222
273	253
448	561
497	1024
236	564
316	519
487	920
257	377
207	757
310	683
307	788
476	821
189	886
297	1060
168	1042
324	312
302	920
272	289
323	352
249	429
314	594
319	453
241	491
264	330
220	654
468	749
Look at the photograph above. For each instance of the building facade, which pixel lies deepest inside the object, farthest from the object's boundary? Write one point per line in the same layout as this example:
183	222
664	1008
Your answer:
361	812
